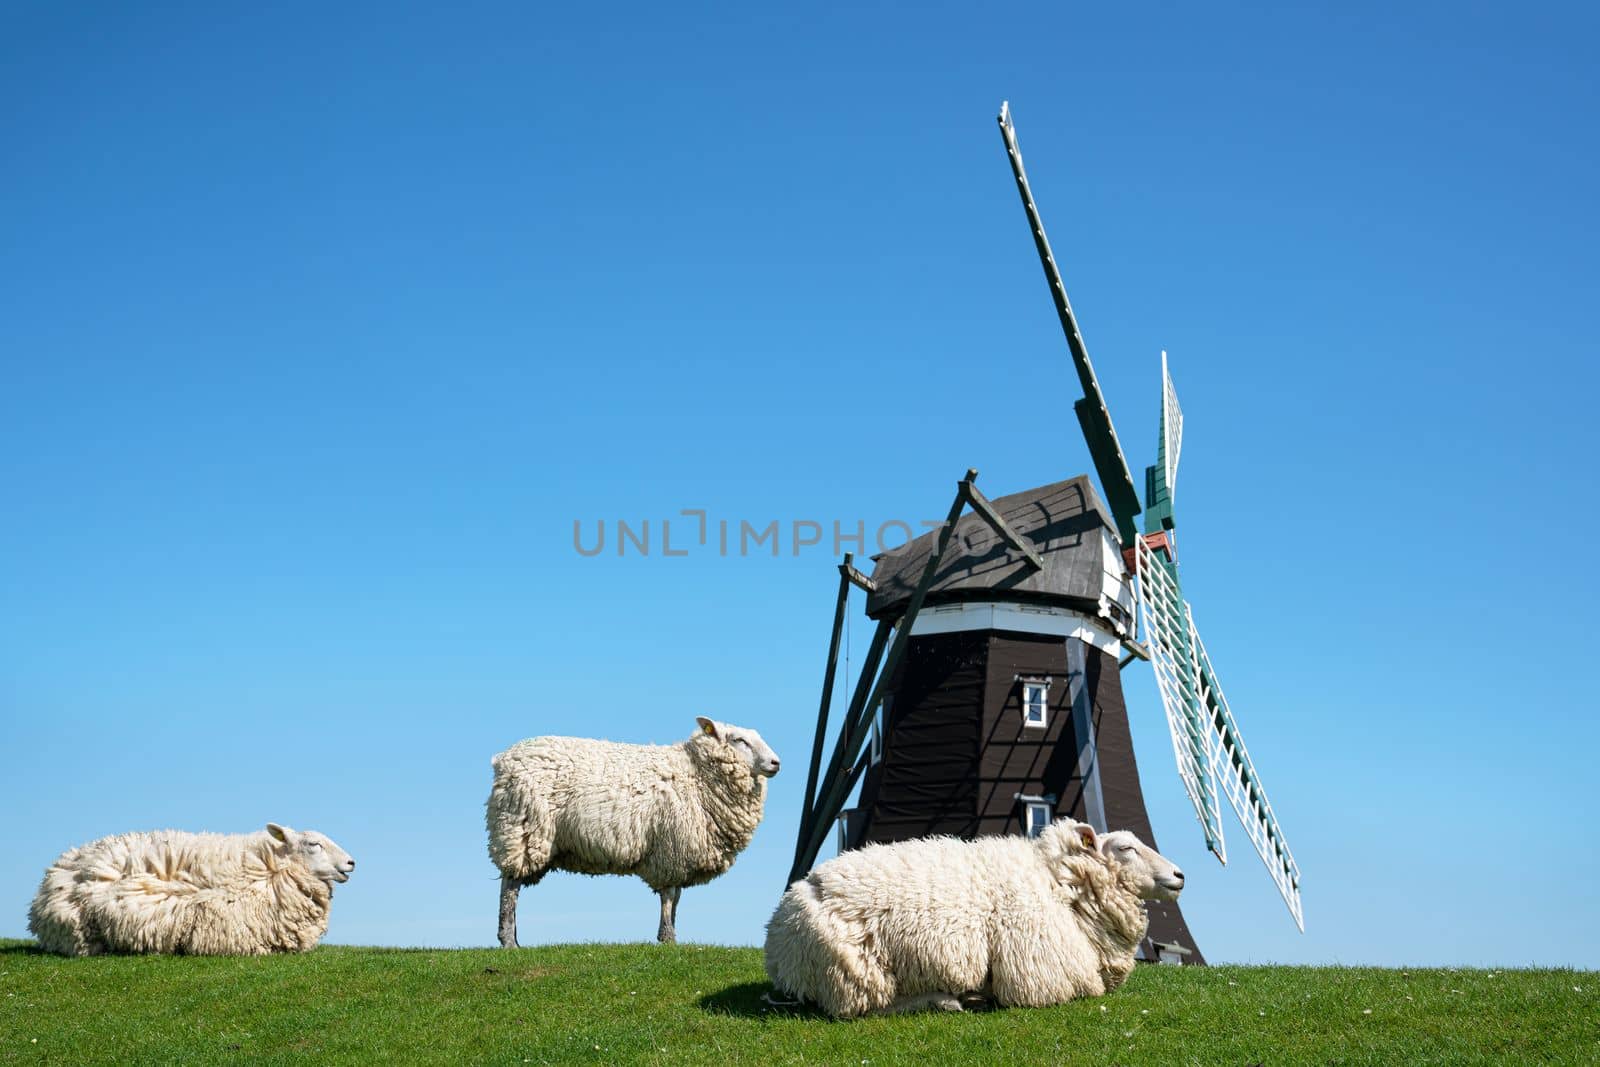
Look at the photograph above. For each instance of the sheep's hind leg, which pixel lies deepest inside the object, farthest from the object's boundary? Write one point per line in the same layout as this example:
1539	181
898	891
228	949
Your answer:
921	1002
667	932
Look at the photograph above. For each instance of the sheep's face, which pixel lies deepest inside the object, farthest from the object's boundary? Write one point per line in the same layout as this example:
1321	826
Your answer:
317	852
744	743
1142	869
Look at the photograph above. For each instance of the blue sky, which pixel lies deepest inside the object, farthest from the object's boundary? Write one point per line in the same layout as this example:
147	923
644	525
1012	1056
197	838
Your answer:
322	328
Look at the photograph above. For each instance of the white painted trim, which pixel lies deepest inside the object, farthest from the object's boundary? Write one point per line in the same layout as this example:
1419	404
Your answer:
1025	618
1094	805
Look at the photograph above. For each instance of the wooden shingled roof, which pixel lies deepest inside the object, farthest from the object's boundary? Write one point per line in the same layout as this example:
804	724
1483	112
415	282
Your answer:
1062	521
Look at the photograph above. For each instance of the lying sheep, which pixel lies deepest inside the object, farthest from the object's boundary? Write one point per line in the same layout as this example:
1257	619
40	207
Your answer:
675	815
921	923
197	894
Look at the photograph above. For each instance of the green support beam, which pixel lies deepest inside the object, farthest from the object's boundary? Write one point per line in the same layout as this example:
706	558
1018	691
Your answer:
1109	462
812	818
842	772
828	673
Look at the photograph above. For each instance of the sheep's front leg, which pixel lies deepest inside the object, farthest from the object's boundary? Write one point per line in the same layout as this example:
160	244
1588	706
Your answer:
922	1002
509	887
667	932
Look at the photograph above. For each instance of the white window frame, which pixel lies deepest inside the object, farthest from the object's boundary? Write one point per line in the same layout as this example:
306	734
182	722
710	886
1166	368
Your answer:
843	821
1042	686
1036	815
876	744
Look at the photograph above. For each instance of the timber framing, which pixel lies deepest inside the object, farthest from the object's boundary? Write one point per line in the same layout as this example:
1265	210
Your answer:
826	794
855	577
981	505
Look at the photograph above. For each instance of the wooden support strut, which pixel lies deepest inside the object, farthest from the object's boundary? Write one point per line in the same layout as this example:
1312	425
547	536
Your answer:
842	772
810	816
855	577
827	686
986	511
1135	651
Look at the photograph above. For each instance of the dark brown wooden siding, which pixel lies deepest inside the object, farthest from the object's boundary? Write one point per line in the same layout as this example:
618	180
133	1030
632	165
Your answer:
1018	758
928	780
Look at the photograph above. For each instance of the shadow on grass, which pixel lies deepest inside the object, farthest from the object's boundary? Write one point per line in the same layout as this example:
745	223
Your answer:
748	1000
23	948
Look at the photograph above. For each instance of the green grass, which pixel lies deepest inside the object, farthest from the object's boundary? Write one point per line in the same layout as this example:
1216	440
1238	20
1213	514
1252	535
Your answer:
693	1004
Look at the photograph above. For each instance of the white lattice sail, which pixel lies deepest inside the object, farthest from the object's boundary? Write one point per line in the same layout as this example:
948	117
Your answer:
1242	785
1205	737
1171	428
1165	624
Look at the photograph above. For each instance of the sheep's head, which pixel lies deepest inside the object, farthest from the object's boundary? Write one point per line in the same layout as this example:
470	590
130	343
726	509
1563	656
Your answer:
744	743
1068	846
316	852
1104	889
1141	868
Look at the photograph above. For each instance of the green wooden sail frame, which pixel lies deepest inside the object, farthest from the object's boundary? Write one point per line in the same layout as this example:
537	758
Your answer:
1093	415
1210	753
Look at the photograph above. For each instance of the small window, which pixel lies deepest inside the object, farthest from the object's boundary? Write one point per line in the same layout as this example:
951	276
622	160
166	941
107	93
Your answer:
1036	704
844	830
1035	817
877	738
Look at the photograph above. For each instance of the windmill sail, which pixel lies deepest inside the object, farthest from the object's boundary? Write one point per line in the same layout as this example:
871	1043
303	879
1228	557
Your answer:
1171	444
1205	738
1242	785
1161	479
1211	757
1093	415
1166	626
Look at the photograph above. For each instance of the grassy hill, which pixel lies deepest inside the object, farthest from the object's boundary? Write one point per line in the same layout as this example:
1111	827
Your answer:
702	1004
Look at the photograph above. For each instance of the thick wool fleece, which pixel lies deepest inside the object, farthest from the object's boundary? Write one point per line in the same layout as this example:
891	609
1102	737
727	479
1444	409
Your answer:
175	892
675	815
1025	922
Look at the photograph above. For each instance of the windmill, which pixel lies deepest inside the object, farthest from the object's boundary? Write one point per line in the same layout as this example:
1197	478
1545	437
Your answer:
990	697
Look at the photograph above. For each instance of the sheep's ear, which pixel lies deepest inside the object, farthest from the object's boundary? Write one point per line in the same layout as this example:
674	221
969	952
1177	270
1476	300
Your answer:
1086	836
278	833
708	726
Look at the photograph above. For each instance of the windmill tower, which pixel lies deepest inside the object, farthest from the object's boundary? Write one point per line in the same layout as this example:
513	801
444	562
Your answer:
990	700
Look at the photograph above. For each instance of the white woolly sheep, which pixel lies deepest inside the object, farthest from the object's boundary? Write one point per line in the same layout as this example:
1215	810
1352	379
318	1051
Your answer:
920	924
675	815
169	891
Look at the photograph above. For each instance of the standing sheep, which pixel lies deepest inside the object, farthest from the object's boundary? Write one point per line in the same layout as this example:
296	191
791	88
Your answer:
675	815
918	924
197	894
